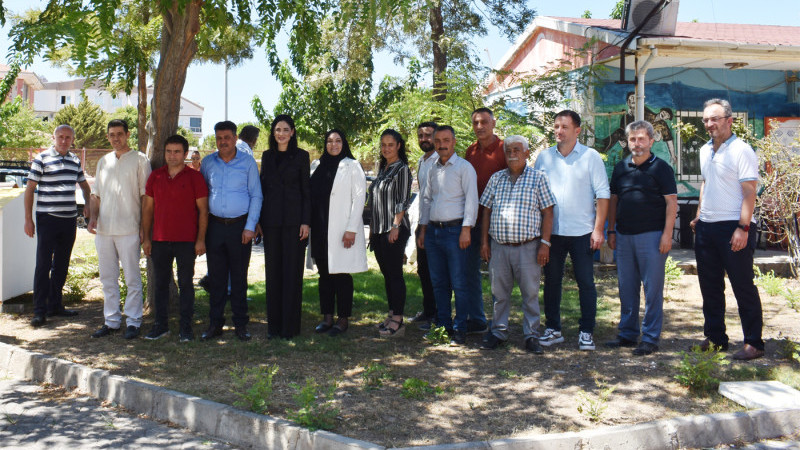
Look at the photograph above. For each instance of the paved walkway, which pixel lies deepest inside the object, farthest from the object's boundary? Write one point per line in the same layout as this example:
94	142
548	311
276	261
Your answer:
29	420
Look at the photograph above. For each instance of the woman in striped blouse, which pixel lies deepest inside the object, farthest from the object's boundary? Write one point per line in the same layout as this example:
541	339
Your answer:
390	197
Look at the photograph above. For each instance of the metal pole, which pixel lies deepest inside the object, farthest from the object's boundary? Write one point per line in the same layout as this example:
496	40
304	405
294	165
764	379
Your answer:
226	90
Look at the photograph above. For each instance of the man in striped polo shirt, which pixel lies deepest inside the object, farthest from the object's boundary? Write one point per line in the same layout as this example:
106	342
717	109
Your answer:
55	172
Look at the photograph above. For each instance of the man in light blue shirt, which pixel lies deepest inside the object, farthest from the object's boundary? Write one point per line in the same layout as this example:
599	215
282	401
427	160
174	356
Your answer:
578	180
234	203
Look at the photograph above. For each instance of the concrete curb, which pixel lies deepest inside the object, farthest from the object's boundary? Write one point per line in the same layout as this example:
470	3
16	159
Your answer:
247	429
223	422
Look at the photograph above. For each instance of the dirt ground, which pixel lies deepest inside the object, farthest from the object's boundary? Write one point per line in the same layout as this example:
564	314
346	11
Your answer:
485	394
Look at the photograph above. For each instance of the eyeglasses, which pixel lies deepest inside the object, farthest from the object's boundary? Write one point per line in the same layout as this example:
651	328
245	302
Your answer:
714	119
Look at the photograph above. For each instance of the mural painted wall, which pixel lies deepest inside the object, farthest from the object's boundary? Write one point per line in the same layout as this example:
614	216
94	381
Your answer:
679	93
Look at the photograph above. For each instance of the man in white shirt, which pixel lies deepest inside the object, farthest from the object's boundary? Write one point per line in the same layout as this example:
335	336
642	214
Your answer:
449	211
724	241
578	180
117	196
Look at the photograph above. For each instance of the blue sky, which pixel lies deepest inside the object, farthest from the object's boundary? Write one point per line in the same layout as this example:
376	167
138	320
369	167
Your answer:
204	83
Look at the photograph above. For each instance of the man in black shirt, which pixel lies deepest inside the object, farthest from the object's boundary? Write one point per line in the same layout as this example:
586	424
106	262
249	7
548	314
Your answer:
641	215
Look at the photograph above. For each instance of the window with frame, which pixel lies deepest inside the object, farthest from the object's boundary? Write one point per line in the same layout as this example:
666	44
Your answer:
691	137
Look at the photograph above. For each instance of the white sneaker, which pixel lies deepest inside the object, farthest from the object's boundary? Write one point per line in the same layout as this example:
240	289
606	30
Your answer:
585	341
550	337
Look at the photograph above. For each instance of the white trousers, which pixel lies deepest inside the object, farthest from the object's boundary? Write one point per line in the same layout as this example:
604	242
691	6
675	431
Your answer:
111	251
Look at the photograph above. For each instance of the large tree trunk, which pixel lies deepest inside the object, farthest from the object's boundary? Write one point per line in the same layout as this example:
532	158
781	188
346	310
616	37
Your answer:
178	48
439	54
141	87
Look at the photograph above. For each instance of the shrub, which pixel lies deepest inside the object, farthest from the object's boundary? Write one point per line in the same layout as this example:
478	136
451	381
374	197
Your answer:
672	274
593	406
253	386
374	374
698	368
437	336
414	388
317	411
771	284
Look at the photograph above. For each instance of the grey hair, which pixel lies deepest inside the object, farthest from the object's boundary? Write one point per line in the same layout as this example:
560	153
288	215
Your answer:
515	139
63	126
726	105
640	125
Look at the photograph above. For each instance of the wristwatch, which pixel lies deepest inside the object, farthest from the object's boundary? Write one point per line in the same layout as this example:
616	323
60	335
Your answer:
745	228
395	226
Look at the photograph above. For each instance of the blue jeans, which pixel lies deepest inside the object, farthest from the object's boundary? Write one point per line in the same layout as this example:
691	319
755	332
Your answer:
449	267
714	258
582	255
639	262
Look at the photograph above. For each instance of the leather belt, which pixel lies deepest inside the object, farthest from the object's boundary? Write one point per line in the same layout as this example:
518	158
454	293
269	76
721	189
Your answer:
449	223
227	221
517	244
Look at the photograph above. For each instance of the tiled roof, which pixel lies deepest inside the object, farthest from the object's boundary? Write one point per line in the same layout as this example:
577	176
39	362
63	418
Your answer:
725	32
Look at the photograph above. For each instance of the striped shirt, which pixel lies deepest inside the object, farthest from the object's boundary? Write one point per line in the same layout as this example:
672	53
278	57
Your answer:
517	207
724	171
390	194
56	176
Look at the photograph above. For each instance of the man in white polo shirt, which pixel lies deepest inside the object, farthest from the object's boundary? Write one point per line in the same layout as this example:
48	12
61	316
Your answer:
724	241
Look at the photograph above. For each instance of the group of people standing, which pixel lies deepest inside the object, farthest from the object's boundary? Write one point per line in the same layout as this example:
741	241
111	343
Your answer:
488	205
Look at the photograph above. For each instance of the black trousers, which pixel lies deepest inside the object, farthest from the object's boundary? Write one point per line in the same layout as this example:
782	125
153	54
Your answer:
227	257
284	255
428	302
335	289
54	239
390	260
714	258
162	255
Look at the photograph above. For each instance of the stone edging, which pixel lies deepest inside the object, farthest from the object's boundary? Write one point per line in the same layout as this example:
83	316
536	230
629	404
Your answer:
247	429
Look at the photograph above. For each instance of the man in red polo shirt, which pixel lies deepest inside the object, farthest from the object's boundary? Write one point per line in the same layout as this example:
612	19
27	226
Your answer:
487	157
174	219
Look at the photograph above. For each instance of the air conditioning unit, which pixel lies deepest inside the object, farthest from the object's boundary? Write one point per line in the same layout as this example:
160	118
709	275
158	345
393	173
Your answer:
663	21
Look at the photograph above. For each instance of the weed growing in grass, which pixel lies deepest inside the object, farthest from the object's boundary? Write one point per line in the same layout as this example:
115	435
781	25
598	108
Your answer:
317	411
672	274
698	368
374	374
508	373
770	283
253	386
11	419
789	349
792	298
414	388
593	406
78	279
437	336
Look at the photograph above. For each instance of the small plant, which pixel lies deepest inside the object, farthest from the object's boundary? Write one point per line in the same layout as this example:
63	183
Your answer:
672	274
78	279
593	406
792	298
508	373
253	386
437	336
374	374
698	368
789	349
771	284
414	388
317	410
11	419
108	421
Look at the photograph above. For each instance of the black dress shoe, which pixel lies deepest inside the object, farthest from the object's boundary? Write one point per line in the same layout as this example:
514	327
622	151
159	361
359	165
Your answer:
458	338
211	333
105	330
323	327
62	313
645	348
131	332
337	330
38	321
491	342
620	342
242	334
532	345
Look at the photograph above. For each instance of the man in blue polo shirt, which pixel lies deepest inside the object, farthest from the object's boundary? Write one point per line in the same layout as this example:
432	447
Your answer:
578	180
641	215
55	172
234	203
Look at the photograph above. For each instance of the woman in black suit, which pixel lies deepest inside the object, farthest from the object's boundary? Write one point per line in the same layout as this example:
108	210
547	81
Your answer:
285	220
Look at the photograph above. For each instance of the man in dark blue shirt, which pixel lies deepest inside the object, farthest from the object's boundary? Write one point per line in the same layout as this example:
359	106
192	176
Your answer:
641	215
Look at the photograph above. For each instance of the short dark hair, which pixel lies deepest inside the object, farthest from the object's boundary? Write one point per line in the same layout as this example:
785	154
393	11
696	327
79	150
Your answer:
196	152
445	128
576	119
482	109
249	133
178	139
225	125
427	125
118	123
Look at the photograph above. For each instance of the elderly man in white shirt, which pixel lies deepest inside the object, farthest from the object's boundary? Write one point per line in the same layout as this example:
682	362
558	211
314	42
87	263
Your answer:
449	211
117	195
